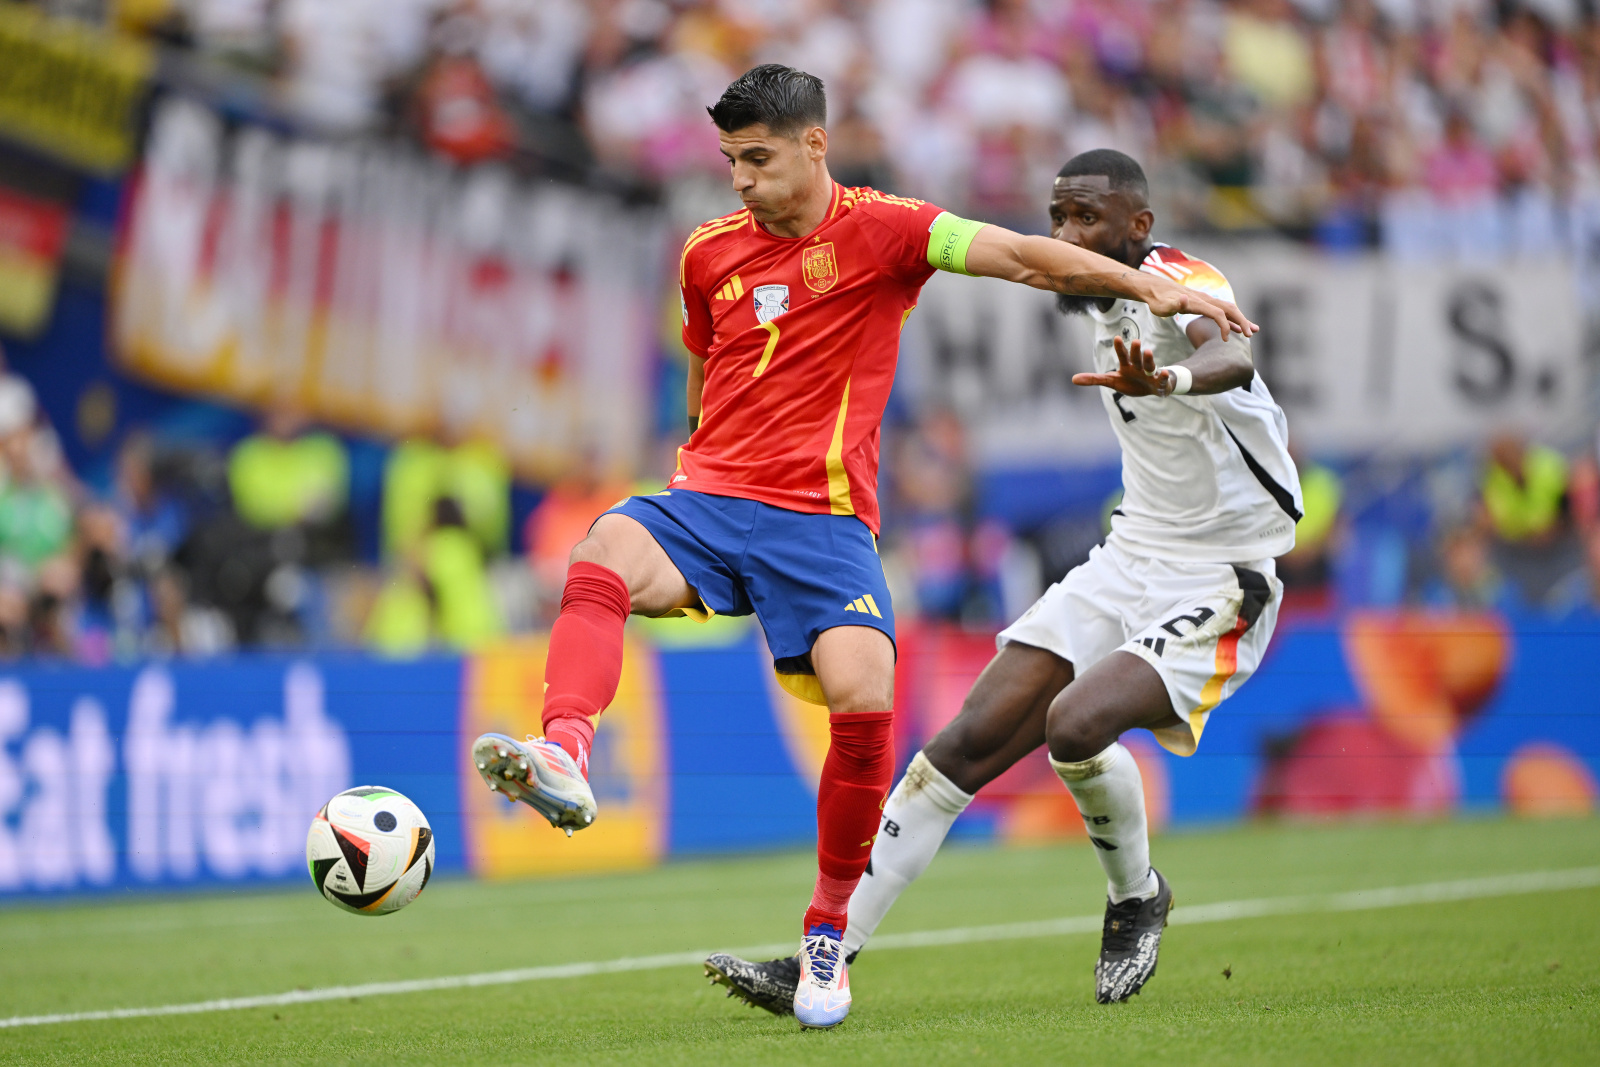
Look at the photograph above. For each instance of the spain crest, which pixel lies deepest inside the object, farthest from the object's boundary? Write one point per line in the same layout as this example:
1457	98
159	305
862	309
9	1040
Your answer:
819	268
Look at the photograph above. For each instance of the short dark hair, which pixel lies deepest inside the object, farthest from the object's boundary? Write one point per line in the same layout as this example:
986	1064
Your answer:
1123	171
782	99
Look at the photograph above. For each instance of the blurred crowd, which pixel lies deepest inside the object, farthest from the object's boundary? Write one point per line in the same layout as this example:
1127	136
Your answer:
1513	527
194	549
1426	125
196	546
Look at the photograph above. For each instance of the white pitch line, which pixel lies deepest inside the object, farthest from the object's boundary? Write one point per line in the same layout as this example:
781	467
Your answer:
1225	911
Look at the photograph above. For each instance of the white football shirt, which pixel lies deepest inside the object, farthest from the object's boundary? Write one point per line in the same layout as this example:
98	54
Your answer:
1204	478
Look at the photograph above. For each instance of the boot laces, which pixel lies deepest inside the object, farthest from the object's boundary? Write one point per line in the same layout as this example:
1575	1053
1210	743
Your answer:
822	953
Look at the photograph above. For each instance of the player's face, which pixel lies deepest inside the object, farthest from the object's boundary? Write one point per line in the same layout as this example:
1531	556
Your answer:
1086	212
773	174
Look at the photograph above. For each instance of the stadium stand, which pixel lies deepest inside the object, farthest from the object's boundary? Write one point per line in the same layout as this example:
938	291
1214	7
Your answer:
1423	131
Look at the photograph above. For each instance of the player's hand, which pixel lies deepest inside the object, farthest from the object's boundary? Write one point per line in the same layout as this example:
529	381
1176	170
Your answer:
1136	373
1170	298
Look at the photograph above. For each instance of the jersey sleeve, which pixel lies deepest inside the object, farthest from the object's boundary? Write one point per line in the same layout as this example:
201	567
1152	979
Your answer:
1194	273
696	309
910	222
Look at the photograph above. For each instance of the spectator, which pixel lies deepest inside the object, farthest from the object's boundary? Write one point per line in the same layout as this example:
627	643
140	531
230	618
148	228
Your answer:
457	113
534	49
1524	491
338	56
419	473
35	509
1460	172
1307	571
111	612
154	522
1468	579
1268	53
1013	101
452	563
563	518
441	593
181	627
1583	489
954	557
1241	99
400	623
1579	591
285	476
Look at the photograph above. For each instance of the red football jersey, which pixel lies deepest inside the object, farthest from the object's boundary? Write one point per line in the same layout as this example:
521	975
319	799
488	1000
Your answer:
800	337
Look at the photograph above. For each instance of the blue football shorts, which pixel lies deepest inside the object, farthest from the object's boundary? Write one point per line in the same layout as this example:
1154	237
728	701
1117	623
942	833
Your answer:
799	574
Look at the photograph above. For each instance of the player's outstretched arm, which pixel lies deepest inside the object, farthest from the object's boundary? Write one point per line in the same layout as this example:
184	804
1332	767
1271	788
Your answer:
1218	364
1059	267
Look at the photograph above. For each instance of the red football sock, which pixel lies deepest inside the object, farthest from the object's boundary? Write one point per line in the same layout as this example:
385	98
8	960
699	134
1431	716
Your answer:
585	660
855	782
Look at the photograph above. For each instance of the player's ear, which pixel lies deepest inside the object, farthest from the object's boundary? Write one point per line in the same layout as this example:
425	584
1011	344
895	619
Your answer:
815	141
1141	223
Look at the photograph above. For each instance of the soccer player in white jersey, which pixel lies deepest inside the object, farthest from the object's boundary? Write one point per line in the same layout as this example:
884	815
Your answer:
1164	621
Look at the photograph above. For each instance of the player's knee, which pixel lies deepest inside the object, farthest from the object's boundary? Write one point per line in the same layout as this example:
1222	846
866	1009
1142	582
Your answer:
606	544
864	696
586	552
966	737
1073	732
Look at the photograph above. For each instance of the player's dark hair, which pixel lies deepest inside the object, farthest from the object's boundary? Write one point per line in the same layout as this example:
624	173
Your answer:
782	99
1123	171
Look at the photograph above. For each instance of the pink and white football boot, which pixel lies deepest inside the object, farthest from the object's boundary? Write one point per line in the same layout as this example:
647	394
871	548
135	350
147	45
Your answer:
540	774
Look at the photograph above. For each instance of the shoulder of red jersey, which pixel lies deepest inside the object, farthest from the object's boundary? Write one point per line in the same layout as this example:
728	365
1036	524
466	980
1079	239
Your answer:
1174	263
726	227
861	196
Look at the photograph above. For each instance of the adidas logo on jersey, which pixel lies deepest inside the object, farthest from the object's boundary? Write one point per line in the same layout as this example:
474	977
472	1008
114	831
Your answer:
866	605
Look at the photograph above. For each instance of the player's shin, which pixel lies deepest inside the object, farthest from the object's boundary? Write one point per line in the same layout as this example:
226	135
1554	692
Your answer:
1110	796
855	776
585	660
916	818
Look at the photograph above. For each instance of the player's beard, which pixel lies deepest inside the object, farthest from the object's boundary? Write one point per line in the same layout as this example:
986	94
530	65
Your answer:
1073	304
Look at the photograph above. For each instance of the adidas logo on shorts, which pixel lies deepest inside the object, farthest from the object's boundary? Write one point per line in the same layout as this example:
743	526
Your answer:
865	604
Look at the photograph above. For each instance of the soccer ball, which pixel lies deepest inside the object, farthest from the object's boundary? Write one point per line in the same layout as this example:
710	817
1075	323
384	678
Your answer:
370	850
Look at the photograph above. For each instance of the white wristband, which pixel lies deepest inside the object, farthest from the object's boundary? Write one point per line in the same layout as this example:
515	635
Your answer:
1182	379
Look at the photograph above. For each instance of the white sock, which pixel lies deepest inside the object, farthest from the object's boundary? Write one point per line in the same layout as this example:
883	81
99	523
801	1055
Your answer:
916	818
1110	797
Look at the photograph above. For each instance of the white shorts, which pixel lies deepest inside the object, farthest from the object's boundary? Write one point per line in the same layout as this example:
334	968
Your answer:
1203	626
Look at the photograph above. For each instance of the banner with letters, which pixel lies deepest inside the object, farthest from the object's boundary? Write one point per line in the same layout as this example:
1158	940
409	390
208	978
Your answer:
70	89
171	774
1363	353
387	293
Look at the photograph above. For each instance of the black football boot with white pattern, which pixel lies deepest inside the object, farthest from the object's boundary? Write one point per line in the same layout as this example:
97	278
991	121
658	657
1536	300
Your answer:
770	984
1129	944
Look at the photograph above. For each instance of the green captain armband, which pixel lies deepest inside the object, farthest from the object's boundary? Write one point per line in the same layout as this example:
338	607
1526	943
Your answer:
948	241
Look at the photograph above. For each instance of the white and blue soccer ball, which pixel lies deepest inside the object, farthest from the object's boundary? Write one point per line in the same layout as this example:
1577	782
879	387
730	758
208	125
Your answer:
370	850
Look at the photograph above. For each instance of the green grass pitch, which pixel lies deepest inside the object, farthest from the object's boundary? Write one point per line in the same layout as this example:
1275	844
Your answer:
1512	979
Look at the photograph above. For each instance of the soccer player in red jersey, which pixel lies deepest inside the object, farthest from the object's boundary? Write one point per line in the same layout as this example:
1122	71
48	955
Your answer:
792	312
